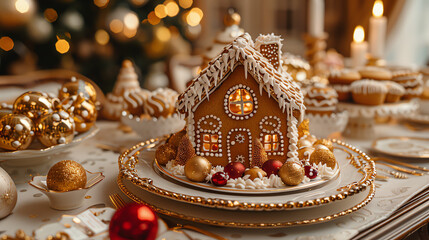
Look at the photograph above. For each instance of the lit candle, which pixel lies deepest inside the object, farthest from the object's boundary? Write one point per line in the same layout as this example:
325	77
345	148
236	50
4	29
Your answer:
377	30
316	15
359	47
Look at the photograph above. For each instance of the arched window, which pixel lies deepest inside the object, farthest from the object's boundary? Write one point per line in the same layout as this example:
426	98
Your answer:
240	102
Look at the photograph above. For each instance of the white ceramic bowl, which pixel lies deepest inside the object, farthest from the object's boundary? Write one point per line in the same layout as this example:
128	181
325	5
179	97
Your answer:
66	200
323	125
154	127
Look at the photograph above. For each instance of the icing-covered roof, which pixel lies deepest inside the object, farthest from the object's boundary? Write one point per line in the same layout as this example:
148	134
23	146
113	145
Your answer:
279	85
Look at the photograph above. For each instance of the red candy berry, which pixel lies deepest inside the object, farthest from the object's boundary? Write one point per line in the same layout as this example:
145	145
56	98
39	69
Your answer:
272	166
134	221
219	179
310	172
234	170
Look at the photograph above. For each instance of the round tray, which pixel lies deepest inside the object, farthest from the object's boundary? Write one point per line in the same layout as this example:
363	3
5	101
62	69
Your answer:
245	219
228	190
388	109
357	172
37	155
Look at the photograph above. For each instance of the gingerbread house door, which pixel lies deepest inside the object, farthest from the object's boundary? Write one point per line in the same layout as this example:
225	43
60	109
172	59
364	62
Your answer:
239	146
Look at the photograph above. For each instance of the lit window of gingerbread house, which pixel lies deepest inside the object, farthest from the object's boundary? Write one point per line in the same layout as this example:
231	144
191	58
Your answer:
241	99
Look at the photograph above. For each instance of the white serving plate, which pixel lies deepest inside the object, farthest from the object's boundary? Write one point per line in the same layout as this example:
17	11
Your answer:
323	125
210	187
36	154
405	147
154	127
357	172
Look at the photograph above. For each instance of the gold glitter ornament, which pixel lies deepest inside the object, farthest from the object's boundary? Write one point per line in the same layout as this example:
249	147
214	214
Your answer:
33	105
323	156
8	194
292	173
4	112
16	132
55	128
197	168
77	87
255	172
84	112
165	153
325	142
66	175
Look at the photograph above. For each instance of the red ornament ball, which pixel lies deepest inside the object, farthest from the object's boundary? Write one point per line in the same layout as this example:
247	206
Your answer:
310	172
134	221
219	179
234	170
272	166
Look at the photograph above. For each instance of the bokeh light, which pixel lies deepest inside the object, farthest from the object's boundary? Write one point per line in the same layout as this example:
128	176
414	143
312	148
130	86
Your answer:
101	3
50	15
116	26
185	3
194	16
22	6
62	46
161	11
131	20
172	9
6	43
163	34
102	37
152	18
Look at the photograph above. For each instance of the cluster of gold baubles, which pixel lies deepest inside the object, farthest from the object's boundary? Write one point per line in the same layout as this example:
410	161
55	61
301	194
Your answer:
51	120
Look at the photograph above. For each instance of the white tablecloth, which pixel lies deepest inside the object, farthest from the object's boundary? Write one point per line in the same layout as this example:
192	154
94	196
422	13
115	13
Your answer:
33	211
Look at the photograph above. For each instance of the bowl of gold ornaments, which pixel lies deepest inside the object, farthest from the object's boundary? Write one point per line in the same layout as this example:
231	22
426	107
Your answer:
38	126
66	184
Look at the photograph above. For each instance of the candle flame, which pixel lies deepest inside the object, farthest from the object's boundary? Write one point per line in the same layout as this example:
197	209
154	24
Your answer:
377	10
358	34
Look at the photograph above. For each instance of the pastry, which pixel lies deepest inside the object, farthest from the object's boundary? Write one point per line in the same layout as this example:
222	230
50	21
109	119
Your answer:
394	92
411	81
320	99
340	80
375	73
161	102
369	92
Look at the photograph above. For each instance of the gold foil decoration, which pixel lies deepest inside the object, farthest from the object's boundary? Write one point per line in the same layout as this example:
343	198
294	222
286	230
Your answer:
65	176
55	128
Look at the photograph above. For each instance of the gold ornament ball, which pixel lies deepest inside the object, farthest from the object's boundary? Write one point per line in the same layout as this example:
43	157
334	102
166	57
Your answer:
197	168
165	153
255	172
84	112
232	19
4	112
77	87
33	105
8	194
292	173
55	128
323	156
16	132
66	175
325	142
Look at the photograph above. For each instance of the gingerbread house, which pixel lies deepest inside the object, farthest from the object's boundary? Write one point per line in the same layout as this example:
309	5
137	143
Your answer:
242	97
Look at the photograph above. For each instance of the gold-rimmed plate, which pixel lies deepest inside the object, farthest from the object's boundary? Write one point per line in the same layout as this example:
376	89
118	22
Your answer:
245	219
405	147
357	173
229	190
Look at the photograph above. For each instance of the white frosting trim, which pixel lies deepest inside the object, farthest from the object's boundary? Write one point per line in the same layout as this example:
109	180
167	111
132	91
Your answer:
367	86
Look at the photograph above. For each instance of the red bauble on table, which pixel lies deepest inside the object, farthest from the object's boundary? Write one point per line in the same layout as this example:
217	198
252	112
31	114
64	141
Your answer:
134	221
234	170
219	179
272	166
310	172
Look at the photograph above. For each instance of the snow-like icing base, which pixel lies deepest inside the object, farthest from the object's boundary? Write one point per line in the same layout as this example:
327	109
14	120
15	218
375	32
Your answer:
274	181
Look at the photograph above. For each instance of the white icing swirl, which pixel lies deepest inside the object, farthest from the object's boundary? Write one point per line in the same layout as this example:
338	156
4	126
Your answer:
367	86
325	171
176	169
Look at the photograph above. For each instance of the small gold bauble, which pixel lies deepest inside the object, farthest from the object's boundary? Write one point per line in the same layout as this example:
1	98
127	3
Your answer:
197	168
323	156
292	173
33	105
165	153
65	176
55	128
232	19
84	112
77	87
16	132
325	142
255	172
